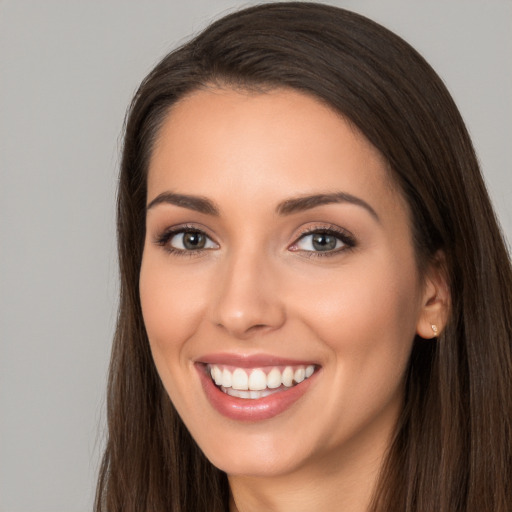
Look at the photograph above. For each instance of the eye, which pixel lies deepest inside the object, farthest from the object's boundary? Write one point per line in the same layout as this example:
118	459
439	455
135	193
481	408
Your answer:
186	240
319	242
191	241
323	241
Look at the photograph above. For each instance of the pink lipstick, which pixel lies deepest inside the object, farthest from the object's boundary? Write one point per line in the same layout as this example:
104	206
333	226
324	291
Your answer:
254	388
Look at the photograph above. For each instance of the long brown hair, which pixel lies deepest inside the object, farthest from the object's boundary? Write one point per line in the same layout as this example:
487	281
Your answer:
453	445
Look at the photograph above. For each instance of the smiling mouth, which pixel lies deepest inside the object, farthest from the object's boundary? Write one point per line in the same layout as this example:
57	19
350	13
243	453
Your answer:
256	383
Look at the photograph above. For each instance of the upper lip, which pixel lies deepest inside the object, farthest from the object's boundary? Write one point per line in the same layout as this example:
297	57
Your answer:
250	361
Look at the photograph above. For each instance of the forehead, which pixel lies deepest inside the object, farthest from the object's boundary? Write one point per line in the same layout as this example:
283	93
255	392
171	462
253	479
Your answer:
235	144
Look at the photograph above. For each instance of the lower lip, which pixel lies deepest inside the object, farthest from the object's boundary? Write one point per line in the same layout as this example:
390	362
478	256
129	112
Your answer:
245	409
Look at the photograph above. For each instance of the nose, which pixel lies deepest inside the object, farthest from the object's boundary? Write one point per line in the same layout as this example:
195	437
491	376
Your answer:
248	300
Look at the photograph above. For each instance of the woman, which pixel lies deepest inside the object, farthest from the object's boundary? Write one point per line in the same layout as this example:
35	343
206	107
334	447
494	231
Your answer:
315	295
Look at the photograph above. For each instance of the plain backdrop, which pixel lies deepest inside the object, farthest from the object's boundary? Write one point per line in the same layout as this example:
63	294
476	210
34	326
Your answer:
67	72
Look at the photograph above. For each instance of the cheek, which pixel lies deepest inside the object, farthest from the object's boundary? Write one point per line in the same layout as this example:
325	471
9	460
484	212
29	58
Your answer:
172	304
371	307
367	320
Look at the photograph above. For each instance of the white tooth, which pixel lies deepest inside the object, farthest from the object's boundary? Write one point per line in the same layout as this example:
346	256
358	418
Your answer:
274	378
237	393
240	380
251	395
226	378
288	376
310	370
216	374
257	380
299	375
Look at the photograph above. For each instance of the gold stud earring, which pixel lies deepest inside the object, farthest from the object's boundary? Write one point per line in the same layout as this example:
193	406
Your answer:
435	329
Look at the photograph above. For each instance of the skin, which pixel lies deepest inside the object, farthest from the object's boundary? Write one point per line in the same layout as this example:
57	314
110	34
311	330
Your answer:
258	287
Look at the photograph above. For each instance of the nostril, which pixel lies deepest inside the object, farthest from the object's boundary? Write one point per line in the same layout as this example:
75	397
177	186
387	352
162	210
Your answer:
243	331
257	327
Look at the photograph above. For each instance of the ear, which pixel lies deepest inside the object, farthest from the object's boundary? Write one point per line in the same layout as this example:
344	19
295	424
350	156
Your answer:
436	299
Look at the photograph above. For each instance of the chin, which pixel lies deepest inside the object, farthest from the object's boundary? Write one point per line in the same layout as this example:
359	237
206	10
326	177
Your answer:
257	451
255	464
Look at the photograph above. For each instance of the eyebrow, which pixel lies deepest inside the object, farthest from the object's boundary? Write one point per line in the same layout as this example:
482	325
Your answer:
302	203
289	206
197	203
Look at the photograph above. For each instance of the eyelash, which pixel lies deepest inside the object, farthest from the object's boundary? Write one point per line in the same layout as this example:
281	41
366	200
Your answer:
164	238
344	236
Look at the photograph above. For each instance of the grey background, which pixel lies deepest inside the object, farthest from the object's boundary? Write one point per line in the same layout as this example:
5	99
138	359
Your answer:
67	72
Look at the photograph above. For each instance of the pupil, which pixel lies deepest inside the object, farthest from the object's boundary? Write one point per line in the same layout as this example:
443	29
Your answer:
323	242
193	240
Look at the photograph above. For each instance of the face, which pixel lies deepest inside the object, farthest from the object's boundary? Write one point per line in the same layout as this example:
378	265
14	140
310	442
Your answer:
279	285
